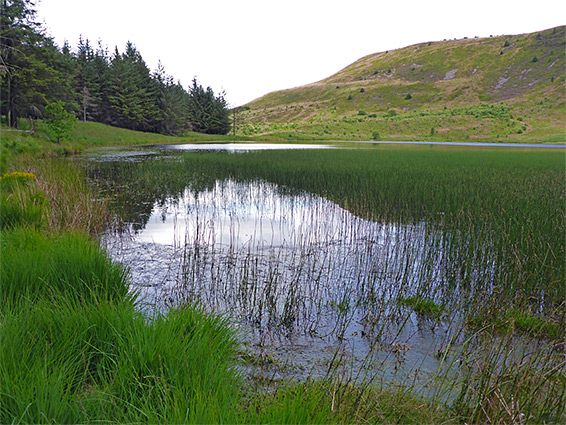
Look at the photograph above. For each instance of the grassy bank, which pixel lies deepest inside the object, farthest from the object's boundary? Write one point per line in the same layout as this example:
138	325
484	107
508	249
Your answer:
73	347
473	89
31	138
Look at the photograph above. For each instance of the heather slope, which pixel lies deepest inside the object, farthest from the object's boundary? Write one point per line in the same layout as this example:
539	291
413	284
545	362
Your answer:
505	88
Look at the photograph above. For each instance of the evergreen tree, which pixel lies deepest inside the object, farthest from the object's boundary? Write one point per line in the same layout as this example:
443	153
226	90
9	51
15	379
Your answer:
132	94
208	113
32	70
84	76
172	103
116	89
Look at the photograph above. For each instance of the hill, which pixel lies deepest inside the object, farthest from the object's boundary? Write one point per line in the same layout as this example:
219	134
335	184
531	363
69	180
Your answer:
505	88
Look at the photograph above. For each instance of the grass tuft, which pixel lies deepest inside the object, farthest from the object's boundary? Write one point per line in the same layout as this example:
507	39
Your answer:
36	266
422	306
73	363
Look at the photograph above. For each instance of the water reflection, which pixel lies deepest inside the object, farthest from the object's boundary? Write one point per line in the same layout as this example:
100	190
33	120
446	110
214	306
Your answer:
252	216
301	274
310	285
242	146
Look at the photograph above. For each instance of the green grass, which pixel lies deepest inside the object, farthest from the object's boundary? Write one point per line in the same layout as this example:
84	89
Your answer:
325	402
422	306
21	201
84	135
448	75
72	363
73	348
36	266
511	320
506	382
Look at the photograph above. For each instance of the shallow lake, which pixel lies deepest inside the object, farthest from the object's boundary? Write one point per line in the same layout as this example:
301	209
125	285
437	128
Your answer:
312	288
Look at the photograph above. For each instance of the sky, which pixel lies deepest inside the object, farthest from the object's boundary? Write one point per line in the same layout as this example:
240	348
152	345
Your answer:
249	48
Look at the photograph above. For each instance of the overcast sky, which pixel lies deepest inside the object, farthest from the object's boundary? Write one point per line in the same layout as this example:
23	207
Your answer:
251	47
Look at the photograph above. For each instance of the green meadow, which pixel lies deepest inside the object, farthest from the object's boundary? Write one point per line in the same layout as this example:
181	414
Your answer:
75	347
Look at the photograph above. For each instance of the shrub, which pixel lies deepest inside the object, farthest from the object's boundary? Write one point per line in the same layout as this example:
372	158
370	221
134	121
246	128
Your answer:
409	96
59	122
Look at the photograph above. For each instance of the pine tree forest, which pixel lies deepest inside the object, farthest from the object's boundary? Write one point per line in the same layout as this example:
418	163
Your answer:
114	88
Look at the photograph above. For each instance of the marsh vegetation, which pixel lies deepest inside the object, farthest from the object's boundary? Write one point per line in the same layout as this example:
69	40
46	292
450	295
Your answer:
391	284
421	267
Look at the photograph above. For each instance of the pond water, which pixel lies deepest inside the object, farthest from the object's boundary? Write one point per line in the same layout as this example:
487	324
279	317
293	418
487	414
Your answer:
301	276
242	146
312	288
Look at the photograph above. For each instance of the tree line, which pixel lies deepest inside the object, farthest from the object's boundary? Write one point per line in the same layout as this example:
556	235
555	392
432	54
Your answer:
115	88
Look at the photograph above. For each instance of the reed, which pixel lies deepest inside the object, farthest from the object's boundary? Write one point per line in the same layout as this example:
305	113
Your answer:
61	189
478	232
501	212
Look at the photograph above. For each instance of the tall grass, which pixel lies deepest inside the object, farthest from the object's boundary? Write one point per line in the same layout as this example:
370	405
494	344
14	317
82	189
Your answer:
73	348
332	401
104	362
21	201
511	380
35	266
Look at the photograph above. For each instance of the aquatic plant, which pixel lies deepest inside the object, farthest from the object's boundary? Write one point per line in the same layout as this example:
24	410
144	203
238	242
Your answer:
465	229
422	306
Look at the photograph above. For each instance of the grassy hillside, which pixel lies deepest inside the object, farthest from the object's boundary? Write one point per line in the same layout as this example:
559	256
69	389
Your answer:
505	88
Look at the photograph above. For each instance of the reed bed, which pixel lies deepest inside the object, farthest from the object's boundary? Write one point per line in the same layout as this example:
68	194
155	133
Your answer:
476	236
369	249
62	190
499	215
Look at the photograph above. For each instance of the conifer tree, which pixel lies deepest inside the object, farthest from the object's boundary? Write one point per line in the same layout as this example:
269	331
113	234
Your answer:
208	113
33	70
117	89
